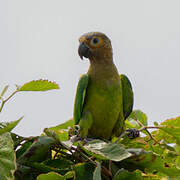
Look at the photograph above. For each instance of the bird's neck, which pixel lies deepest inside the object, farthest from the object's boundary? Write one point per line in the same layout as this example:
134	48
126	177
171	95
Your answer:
102	67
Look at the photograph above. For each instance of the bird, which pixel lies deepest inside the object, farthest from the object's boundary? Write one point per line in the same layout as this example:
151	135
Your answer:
104	98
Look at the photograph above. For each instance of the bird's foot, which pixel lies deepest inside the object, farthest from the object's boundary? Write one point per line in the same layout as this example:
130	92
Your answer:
132	133
88	139
78	138
73	131
75	138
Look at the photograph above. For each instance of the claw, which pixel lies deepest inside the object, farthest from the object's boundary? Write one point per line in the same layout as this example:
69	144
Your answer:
75	138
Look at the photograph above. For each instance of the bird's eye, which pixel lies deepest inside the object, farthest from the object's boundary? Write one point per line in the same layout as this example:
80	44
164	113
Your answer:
95	41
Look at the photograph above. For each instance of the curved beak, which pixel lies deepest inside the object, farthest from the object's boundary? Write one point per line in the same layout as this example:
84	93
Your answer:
84	51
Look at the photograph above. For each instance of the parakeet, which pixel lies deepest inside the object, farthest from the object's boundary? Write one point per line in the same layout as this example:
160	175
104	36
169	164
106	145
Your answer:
104	99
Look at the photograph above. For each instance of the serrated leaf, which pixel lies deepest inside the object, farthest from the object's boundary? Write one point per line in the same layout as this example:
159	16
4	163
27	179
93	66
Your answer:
39	85
169	131
150	163
7	157
8	126
106	151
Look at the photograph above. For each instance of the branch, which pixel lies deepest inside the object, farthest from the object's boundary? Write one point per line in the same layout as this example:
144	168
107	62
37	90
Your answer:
4	101
148	127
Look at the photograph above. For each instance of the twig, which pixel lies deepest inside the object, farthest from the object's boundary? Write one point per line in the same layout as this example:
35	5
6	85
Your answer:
73	150
104	169
4	101
83	155
106	172
110	164
148	127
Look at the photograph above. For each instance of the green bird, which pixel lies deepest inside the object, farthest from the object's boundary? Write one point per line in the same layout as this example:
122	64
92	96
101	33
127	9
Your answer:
104	99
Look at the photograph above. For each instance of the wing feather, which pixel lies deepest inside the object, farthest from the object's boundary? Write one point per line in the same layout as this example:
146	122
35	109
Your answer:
128	97
79	99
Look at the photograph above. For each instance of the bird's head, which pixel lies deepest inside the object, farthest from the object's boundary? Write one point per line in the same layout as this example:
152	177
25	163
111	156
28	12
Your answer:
95	46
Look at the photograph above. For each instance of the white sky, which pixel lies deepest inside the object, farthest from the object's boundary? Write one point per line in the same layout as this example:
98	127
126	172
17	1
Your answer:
39	39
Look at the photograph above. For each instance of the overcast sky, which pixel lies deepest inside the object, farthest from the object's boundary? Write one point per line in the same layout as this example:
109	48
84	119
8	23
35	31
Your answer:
39	39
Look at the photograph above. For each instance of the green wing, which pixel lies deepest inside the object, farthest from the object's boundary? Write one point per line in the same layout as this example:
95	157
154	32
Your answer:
128	98
79	99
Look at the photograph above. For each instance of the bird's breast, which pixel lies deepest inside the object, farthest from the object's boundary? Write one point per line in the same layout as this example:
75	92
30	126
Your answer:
103	97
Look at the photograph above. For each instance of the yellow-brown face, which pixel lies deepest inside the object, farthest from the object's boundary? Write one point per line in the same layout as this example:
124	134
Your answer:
94	45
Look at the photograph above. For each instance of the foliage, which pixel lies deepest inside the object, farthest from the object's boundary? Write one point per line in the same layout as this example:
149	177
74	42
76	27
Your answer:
39	85
29	150
153	155
7	156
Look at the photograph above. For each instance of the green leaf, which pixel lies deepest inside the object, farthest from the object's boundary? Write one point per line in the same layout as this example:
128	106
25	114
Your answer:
50	176
51	133
131	123
24	146
39	151
156	123
137	115
39	85
62	130
60	163
84	171
69	175
7	157
136	151
106	151
150	163
138	142
177	148
8	126
124	175
97	172
64	125
169	131
178	162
